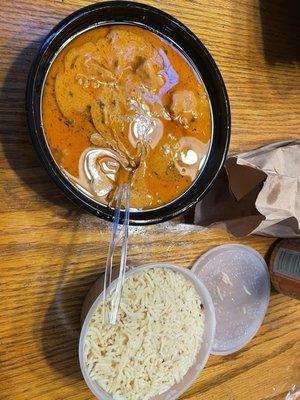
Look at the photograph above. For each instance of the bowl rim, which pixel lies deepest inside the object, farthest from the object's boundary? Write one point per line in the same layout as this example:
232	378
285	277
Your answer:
200	287
219	141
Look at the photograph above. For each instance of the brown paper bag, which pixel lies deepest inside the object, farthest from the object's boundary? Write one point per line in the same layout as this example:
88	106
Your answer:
256	192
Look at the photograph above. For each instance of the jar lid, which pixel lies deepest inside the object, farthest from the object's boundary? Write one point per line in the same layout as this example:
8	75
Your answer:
238	281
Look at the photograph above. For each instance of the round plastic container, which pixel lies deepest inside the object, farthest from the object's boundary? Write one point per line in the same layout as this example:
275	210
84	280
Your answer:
208	335
238	281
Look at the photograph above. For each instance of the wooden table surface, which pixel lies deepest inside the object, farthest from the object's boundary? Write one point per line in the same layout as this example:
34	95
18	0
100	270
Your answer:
51	252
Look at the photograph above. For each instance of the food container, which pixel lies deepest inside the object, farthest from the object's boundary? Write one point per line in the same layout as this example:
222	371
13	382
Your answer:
208	335
285	267
238	281
164	25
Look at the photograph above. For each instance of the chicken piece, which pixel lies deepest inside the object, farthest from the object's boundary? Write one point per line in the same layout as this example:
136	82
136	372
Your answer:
79	52
70	96
190	156
89	62
140	194
101	123
73	86
148	71
184	107
109	118
97	140
128	46
105	49
130	52
84	75
161	159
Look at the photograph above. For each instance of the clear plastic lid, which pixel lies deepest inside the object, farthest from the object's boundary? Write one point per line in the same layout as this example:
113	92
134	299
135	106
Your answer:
238	280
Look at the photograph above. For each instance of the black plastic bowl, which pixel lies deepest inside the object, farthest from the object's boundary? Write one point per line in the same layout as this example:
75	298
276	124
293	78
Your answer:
126	12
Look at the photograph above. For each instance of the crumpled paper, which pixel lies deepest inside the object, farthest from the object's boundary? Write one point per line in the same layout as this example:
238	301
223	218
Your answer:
257	192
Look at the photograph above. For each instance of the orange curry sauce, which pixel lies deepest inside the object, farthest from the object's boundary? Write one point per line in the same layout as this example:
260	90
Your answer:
101	89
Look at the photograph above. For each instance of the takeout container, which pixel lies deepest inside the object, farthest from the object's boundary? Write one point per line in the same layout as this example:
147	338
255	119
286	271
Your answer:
233	283
91	304
127	12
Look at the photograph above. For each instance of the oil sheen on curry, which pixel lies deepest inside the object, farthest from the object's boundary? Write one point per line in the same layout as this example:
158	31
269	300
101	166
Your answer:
120	104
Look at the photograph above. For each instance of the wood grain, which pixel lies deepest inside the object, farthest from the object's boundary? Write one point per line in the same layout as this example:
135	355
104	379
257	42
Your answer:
51	252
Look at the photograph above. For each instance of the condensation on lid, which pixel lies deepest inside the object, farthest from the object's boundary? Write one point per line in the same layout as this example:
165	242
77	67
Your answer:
238	280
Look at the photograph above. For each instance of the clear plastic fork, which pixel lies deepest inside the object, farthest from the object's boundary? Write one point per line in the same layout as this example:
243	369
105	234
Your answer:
119	235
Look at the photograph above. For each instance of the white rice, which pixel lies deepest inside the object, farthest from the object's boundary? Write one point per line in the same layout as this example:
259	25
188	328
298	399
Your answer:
155	341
